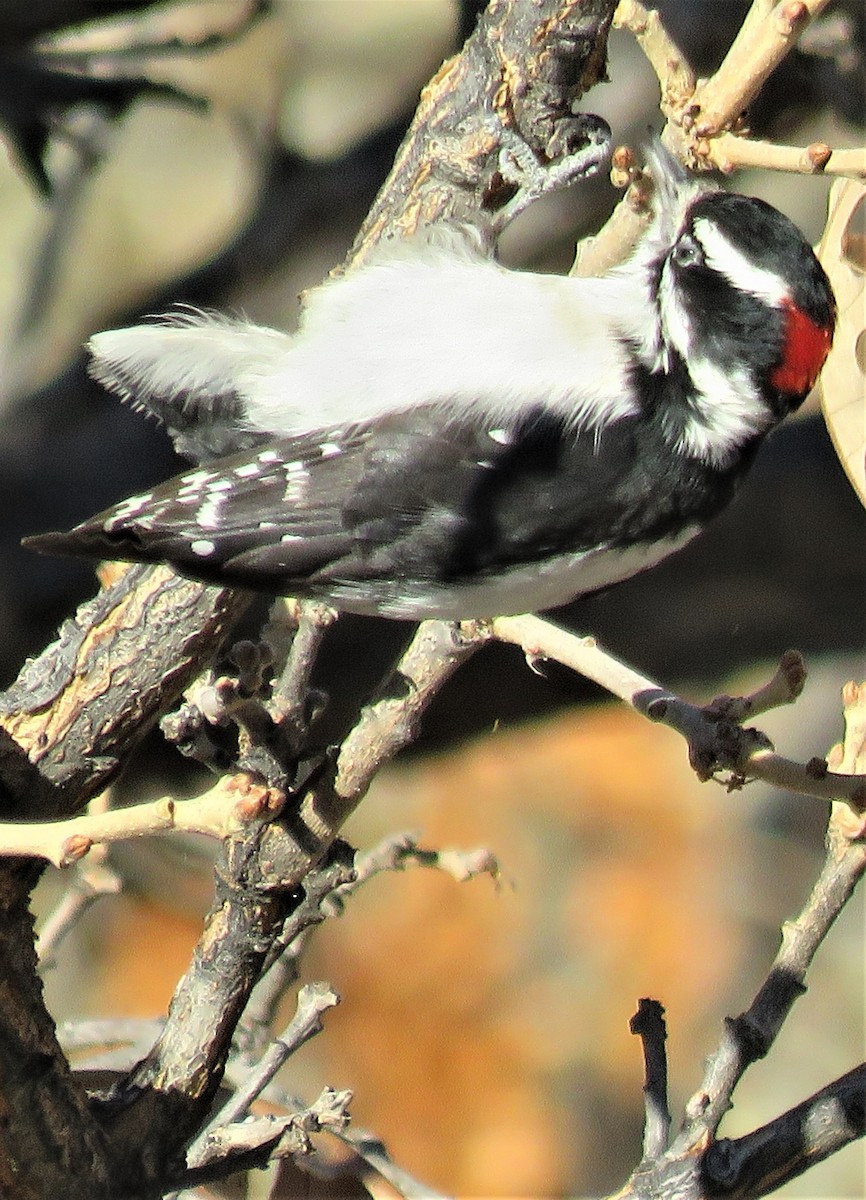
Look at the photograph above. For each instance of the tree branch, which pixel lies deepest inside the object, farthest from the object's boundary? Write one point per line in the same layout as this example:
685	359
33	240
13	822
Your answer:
703	117
313	1000
520	73
673	71
649	1024
696	1165
767	35
230	804
785	1148
751	1035
729	151
92	879
253	1143
715	741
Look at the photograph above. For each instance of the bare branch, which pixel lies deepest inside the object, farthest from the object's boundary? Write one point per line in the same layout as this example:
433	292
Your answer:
92	879
649	1024
224	809
313	1000
619	235
672	69
281	967
729	151
765	38
701	115
401	850
785	687
290	695
326	889
751	1035
390	722
369	1148
696	1165
714	743
254	1142
764	1160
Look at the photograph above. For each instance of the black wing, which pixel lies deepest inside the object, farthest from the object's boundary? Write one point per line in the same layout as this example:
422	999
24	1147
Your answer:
411	497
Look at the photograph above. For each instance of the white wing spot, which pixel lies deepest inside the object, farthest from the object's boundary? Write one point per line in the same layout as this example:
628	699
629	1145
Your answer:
202	547
330	449
291	537
196	478
208	516
269	456
294	490
486	463
220	485
134	504
247	471
502	437
296	467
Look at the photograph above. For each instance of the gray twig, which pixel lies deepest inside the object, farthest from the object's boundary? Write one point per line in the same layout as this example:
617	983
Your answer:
256	1141
91	880
313	1000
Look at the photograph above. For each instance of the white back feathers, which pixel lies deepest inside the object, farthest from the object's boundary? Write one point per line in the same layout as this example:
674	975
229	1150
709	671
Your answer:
426	320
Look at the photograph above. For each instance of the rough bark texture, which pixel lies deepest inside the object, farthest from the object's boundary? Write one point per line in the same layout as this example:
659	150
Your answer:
77	710
522	70
67	726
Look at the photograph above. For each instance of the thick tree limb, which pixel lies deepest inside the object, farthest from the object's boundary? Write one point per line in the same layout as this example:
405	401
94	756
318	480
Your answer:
66	727
520	72
77	711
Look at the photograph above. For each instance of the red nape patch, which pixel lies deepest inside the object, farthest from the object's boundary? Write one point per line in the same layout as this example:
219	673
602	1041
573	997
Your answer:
806	347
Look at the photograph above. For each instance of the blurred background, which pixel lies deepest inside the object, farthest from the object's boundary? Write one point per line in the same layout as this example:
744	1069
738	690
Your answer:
483	1030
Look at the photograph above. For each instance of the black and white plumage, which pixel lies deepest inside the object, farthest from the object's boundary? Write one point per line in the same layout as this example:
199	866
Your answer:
445	437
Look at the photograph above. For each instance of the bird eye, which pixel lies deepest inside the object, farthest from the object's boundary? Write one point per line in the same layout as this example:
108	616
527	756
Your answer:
688	252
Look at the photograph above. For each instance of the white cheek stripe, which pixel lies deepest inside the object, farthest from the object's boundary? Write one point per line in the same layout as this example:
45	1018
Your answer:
725	258
727	411
676	326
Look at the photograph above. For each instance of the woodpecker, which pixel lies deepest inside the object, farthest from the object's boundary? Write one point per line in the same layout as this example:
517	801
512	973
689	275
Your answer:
445	437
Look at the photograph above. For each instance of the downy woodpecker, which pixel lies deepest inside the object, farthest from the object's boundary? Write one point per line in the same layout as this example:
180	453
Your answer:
444	437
